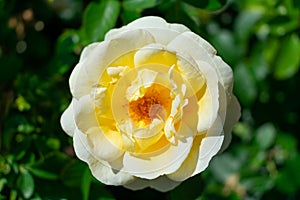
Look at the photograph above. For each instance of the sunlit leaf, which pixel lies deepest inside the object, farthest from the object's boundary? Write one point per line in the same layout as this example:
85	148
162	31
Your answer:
258	64
3	181
86	183
288	60
265	135
287	142
270	50
245	23
288	180
245	86
207	4
243	131
99	18
22	104
138	4
258	184
25	184
224	166
53	143
227	46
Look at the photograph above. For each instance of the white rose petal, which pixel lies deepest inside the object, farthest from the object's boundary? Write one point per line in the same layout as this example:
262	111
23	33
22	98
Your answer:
67	120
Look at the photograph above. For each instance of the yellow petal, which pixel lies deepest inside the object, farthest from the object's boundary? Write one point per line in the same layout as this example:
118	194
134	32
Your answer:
90	68
102	147
153	165
189	165
192	74
154	54
145	78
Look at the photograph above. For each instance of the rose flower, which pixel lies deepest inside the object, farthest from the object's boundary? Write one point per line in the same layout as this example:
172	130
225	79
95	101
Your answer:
152	104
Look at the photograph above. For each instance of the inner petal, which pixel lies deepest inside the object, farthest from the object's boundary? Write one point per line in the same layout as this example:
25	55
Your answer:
135	97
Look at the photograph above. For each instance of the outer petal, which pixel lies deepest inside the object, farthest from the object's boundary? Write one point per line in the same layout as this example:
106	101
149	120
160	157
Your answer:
162	184
204	148
100	146
74	75
100	169
222	103
164	162
189	165
200	49
98	56
84	114
232	116
209	147
67	120
224	72
98	143
209	103
162	31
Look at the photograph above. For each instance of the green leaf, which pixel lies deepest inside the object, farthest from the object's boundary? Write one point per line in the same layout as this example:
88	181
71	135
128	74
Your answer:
258	64
139	4
288	179
67	42
53	143
288	61
25	183
265	135
10	65
296	3
22	104
43	174
86	184
245	22
99	18
129	16
207	4
245	86
243	131
189	189
224	166
72	174
199	4
3	182
287	142
258	184
270	50
227	46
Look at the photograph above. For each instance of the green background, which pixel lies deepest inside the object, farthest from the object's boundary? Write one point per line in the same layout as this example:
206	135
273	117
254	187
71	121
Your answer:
40	43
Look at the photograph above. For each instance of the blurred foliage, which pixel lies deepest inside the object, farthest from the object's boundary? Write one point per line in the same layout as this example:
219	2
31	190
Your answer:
40	43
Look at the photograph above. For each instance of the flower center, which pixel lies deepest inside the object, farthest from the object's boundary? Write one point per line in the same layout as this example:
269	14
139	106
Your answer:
156	103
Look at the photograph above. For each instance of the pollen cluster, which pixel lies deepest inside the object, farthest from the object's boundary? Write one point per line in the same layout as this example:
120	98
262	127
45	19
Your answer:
155	103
